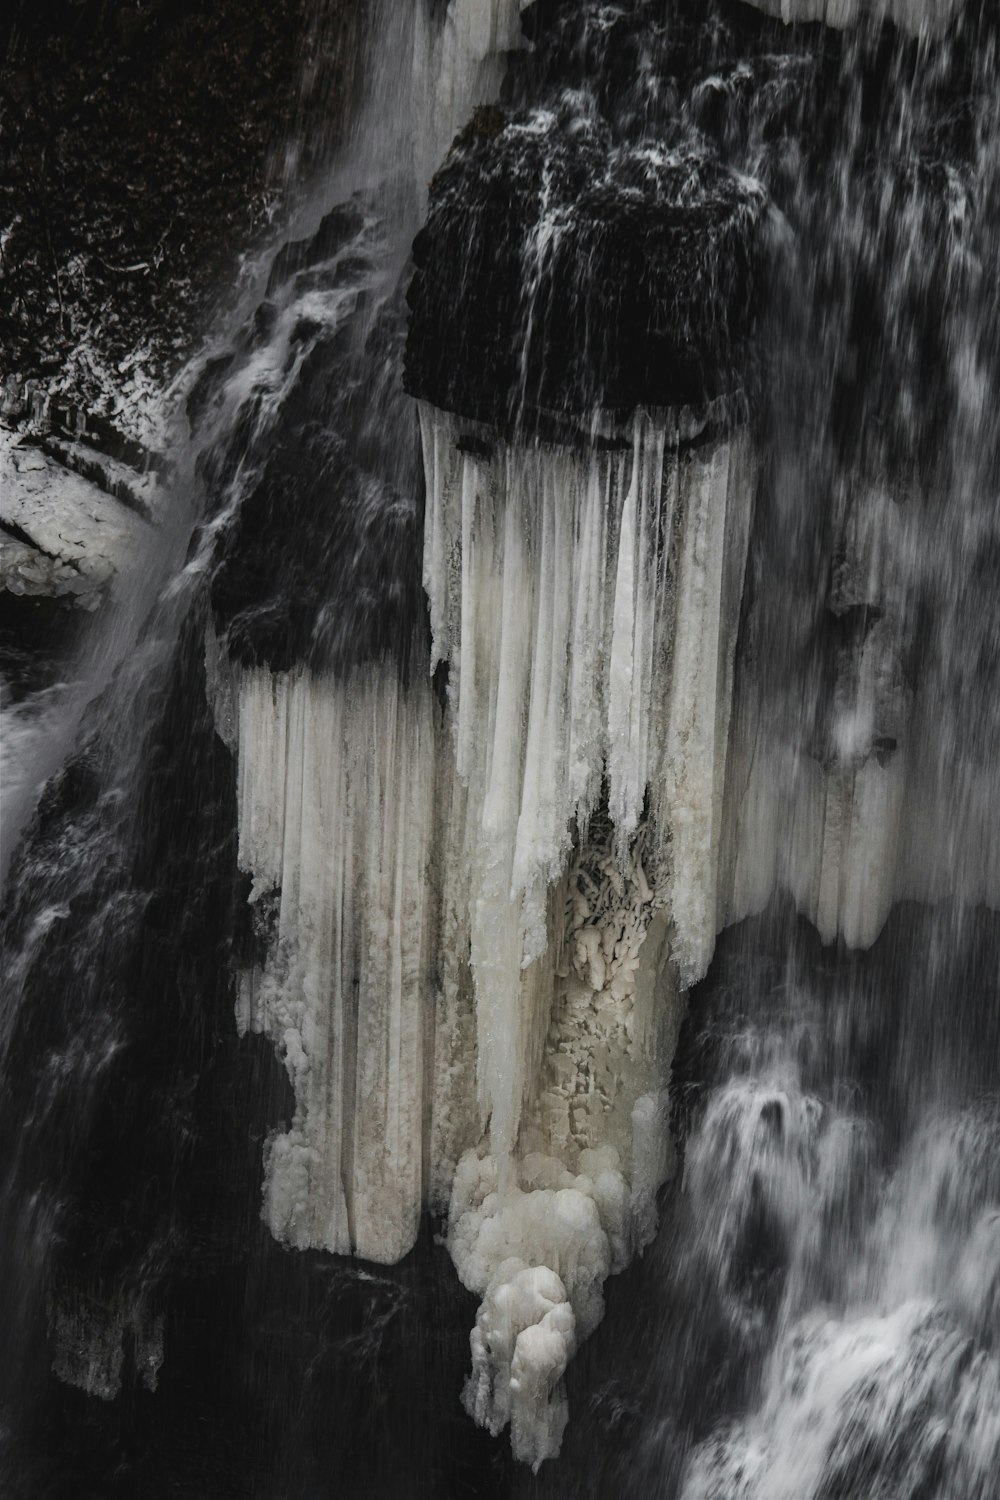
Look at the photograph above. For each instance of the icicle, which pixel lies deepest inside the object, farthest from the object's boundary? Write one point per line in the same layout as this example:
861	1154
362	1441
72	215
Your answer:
697	733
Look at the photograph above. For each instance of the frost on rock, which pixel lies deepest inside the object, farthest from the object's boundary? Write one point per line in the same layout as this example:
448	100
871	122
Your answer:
89	1344
586	601
336	804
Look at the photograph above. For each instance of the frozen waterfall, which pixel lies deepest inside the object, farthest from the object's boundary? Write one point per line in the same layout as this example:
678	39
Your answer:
554	837
503	987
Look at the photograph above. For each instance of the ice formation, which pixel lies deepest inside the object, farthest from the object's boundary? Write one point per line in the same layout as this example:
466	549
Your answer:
929	16
547	850
336	791
458	63
586	601
887	801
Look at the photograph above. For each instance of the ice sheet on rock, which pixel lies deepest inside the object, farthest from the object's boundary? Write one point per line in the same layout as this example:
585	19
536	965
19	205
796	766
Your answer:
889	797
336	807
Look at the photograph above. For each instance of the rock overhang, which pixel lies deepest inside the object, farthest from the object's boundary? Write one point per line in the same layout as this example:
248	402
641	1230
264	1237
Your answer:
562	270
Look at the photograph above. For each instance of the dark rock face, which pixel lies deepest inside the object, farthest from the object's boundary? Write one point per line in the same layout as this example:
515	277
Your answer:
139	162
590	272
598	242
321	561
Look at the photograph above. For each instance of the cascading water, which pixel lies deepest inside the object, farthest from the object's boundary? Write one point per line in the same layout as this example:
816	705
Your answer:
514	944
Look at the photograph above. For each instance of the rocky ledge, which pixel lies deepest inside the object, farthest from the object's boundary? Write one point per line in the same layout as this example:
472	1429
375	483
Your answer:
562	270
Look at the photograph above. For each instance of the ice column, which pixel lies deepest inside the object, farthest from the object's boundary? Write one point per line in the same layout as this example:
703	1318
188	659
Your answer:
336	806
586	601
459	62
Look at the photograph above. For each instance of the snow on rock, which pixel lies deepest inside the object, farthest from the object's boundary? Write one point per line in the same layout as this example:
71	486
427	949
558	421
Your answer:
336	811
66	537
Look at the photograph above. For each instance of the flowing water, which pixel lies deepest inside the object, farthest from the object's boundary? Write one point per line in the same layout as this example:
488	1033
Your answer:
239	941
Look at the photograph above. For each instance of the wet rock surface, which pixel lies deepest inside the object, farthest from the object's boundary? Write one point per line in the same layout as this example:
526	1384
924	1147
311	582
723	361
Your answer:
139	147
321	560
615	232
589	274
605	247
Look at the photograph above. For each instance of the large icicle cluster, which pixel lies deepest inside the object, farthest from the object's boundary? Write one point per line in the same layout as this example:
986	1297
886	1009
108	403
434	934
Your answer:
586	601
336	793
473	929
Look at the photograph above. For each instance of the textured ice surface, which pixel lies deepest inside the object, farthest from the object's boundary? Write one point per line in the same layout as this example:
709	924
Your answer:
539	1255
587	603
918	16
336	792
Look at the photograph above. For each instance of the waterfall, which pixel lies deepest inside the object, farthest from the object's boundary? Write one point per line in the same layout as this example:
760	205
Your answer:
502	925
